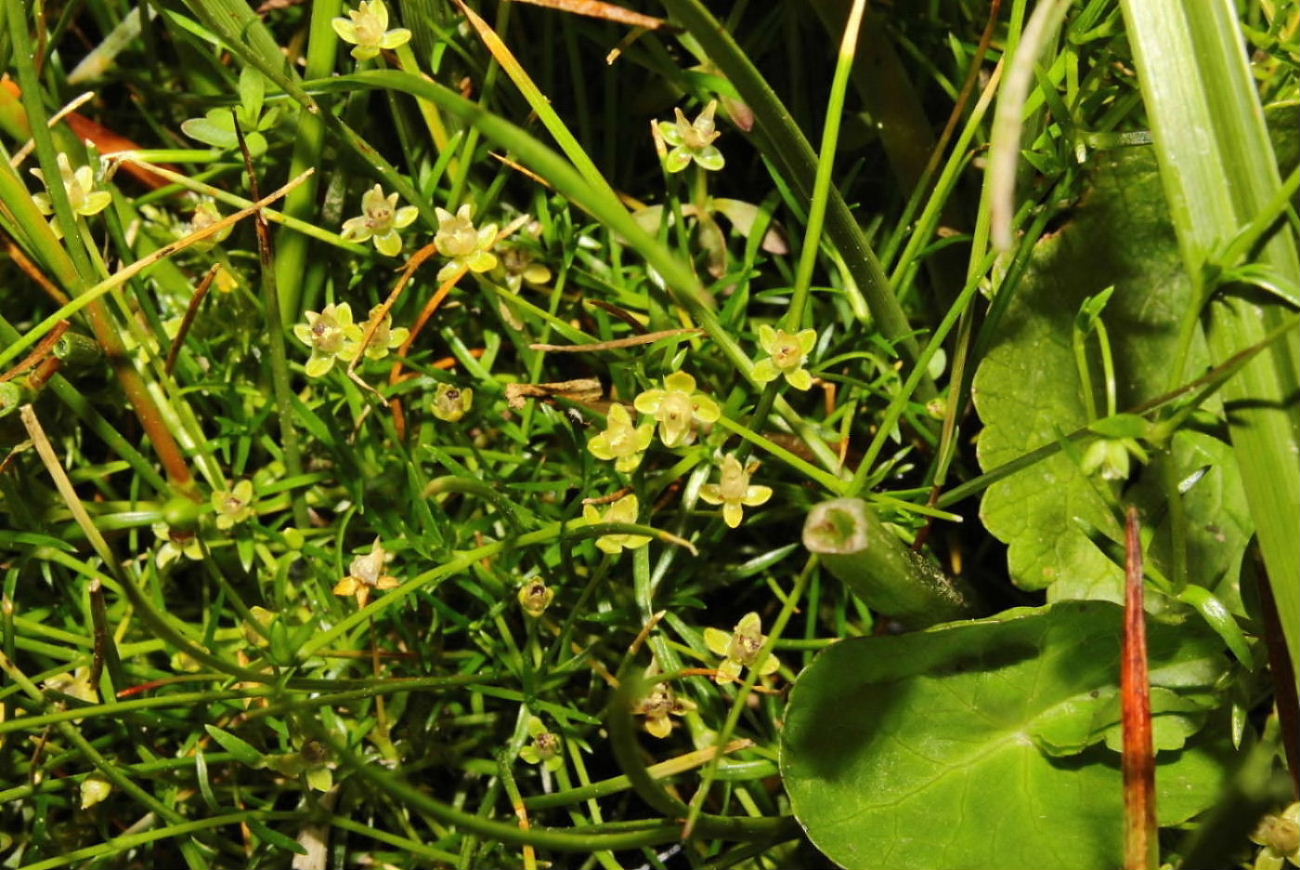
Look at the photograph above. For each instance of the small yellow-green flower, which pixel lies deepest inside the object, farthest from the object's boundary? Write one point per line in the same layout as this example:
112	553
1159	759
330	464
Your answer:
1111	458
315	762
788	352
380	220
366	574
94	789
75	684
521	267
692	140
622	441
205	215
233	506
450	403
368	30
534	597
678	407
545	748
1279	835
740	648
624	510
79	184
330	334
734	491
385	338
264	619
462	244
176	543
657	706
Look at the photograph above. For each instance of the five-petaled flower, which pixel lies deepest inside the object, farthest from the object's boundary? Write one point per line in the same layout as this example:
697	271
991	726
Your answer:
734	492
380	220
678	407
451	403
366	27
1279	835
465	246
233	506
657	706
545	748
79	184
330	334
176	543
740	649
624	510
692	140
534	597
622	441
385	338
788	353
366	574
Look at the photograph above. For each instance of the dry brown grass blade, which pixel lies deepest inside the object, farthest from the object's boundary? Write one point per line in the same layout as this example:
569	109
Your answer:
605	11
630	341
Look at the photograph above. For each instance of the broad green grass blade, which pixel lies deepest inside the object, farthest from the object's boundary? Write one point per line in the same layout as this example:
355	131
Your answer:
1219	171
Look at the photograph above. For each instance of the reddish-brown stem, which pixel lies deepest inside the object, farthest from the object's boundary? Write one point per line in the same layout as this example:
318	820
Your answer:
191	312
1140	841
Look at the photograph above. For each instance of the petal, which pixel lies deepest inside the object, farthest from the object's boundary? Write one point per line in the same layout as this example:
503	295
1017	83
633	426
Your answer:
398	336
674	436
380	13
766	338
711	493
611	544
303	333
389	244
659	726
807	340
319	364
648	402
628	464
466	211
705	409
443	215
618	416
668	130
677	160
43	203
346	29
487	236
365	52
405	216
728	671
633	542
243	490
95	203
394	38
717	641
554	763
756	495
765	371
645	433
770	666
733	513
388	582
320	778
530	754
481	261
710	158
590	513
799	379
346	587
537	274
84	177
680	382
356	228
599	447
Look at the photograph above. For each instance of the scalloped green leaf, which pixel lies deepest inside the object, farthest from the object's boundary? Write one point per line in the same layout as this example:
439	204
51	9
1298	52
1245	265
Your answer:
926	750
1028	393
